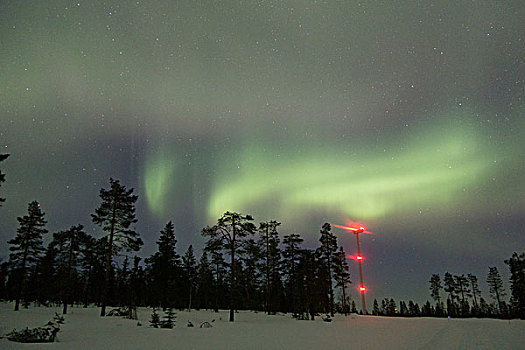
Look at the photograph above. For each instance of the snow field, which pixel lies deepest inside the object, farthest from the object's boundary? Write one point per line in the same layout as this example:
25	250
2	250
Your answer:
84	329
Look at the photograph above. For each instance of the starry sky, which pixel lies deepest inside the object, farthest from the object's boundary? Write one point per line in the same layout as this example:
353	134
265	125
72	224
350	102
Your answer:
406	116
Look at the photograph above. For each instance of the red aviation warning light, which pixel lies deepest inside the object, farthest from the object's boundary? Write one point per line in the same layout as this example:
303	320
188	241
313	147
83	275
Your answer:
355	257
362	289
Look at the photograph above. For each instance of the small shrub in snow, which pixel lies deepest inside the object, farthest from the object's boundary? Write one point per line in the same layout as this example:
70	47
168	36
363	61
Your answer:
327	318
58	319
44	334
115	312
169	319
155	319
206	325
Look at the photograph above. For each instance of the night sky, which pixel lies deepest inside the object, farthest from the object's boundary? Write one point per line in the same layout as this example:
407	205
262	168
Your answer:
406	116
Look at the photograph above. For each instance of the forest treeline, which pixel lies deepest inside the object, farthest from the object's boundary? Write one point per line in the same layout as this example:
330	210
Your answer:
242	266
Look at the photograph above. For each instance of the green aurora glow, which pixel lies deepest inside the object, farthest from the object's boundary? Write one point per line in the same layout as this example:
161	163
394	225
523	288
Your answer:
433	169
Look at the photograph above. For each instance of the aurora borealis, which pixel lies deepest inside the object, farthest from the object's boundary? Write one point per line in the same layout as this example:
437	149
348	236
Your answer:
406	116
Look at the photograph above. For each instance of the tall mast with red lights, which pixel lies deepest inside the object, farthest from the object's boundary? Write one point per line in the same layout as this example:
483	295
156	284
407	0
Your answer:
359	258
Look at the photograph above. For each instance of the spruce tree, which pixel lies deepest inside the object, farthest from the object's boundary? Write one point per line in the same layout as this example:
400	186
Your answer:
342	275
375	308
70	244
2	176
3	277
26	248
327	252
252	259
495	283
137	284
204	281
516	265
115	215
228	234
44	286
219	271
164	268
169	319
291	255
155	319
308	294
189	266
269	242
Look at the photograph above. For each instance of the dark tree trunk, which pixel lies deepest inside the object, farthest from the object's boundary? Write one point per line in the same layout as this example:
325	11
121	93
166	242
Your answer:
108	265
68	276
21	282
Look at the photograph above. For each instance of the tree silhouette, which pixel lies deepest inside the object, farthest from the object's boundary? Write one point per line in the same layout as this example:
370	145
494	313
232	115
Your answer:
115	215
326	253
164	267
270	241
496	289
474	286
517	283
291	255
228	234
71	243
189	267
27	246
450	288
2	176
341	275
462	287
435	287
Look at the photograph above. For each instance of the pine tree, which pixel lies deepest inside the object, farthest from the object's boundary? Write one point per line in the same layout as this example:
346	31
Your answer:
291	255
269	242
450	288
496	290
435	287
27	246
326	252
342	275
516	265
2	176
462	285
115	215
228	233
69	243
189	266
473	280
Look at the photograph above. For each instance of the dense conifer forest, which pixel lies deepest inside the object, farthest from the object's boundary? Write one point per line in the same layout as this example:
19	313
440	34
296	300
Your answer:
243	266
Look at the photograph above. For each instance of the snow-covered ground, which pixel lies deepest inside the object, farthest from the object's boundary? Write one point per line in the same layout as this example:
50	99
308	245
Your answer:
84	329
